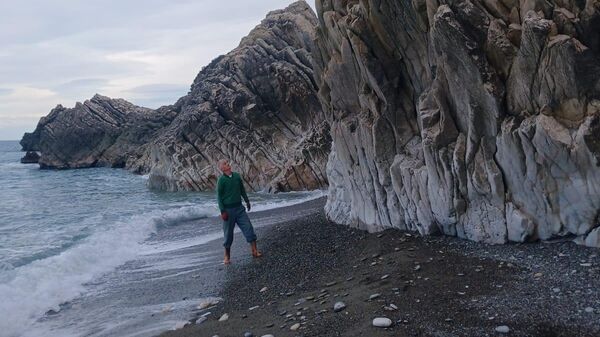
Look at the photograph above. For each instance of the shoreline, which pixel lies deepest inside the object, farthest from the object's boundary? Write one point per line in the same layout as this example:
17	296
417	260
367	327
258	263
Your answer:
431	286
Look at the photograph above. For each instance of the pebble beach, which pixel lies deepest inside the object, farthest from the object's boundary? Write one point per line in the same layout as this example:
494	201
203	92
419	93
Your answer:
318	278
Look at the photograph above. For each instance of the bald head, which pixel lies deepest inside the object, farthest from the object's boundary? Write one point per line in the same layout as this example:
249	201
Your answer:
224	166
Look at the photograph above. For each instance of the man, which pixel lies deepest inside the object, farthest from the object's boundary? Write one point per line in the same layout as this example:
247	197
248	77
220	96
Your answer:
230	191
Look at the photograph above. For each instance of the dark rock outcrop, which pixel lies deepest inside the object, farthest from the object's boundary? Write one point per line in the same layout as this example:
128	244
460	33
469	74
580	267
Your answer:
474	118
257	106
99	132
31	157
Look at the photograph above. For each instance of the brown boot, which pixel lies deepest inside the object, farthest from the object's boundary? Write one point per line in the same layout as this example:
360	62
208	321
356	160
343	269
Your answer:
255	251
227	259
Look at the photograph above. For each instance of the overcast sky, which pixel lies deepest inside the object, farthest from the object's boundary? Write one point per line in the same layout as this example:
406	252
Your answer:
145	51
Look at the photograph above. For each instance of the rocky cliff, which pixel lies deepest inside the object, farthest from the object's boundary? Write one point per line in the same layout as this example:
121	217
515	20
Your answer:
99	132
479	118
257	106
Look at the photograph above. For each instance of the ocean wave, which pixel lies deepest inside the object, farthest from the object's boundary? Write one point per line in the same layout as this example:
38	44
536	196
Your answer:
42	285
185	213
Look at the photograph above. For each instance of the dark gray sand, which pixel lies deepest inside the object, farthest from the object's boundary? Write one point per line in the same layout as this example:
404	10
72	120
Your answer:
434	286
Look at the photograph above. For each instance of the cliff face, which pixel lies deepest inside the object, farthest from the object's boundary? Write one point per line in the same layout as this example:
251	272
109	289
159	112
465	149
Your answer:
99	132
257	106
479	119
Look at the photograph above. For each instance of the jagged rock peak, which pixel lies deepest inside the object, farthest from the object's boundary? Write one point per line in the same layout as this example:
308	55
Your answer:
276	24
257	106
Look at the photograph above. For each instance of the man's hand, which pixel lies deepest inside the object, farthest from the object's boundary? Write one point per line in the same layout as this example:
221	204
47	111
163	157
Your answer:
224	216
248	206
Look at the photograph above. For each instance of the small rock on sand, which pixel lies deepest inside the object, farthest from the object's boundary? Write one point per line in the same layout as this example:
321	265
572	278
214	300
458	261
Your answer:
339	306
374	296
248	334
382	322
589	309
502	329
263	289
207	303
224	318
267	336
295	327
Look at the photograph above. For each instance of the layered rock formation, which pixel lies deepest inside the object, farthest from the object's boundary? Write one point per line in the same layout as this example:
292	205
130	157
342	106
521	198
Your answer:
475	118
257	106
99	132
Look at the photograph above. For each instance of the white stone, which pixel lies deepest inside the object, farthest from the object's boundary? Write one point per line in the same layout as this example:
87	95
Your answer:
339	306
263	289
374	296
502	329
589	309
224	318
382	322
295	327
267	336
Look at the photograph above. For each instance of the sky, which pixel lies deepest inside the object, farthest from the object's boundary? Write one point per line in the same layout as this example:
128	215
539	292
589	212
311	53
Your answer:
145	51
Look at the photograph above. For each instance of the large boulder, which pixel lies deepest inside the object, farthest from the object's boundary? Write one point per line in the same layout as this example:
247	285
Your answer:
474	118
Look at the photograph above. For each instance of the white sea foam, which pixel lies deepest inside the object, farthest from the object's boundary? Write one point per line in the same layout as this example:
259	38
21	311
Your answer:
164	247
44	284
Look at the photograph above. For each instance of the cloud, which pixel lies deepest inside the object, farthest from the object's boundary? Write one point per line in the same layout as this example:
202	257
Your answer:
147	52
21	109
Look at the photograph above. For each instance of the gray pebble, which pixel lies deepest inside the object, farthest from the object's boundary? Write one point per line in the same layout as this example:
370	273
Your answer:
374	296
382	322
502	329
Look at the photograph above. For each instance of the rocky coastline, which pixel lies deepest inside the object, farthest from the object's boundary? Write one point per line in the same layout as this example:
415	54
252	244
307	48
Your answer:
257	106
478	119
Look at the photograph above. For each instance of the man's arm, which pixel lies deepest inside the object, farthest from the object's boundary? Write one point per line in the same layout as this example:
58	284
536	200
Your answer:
244	195
220	187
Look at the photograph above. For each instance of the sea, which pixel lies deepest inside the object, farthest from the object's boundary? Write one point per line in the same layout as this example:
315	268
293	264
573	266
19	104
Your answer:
95	252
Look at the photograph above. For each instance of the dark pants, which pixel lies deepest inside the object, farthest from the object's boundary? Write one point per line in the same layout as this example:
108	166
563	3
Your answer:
237	215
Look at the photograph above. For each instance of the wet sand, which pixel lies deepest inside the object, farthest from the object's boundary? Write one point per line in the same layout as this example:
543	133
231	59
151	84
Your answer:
434	286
